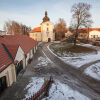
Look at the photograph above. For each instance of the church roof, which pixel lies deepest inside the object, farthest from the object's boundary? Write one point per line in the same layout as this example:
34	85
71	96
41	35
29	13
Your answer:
37	29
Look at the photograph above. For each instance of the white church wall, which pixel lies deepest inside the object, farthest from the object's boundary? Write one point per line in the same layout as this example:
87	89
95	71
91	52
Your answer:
44	26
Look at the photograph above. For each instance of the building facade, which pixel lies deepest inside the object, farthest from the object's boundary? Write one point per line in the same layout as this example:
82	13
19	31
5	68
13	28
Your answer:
44	32
86	33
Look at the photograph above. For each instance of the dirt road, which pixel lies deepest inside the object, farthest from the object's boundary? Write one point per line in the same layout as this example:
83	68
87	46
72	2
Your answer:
45	63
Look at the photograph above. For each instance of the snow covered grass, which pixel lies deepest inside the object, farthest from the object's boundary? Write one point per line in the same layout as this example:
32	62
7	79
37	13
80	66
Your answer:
33	86
94	71
69	50
58	91
79	59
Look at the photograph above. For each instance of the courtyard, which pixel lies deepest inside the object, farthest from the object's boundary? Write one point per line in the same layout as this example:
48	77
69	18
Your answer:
69	82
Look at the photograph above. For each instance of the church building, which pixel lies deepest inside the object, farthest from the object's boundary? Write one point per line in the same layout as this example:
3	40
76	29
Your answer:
44	32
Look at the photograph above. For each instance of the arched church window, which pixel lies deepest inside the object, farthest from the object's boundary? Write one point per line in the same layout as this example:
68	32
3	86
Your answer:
47	29
47	32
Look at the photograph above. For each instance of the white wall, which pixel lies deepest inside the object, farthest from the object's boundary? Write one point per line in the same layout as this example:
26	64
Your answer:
20	54
44	27
10	74
27	58
31	53
93	34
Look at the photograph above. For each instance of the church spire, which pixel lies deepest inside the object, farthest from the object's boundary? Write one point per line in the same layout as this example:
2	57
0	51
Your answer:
46	14
46	18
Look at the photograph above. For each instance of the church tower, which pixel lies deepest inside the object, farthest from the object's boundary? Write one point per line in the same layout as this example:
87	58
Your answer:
46	18
47	34
45	31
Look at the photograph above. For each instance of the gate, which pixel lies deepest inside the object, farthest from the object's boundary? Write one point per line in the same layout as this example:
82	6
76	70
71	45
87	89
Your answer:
3	84
49	39
19	67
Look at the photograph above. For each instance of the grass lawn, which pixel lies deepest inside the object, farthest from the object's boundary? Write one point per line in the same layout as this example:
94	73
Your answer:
68	49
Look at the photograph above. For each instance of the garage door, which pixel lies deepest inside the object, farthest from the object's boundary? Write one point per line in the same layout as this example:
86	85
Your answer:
3	84
19	67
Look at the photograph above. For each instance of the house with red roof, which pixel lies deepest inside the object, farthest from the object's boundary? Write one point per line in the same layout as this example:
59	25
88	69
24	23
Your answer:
15	53
94	33
36	34
27	45
87	33
44	32
7	69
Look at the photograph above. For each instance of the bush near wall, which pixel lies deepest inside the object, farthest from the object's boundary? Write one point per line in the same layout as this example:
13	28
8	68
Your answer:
83	41
96	43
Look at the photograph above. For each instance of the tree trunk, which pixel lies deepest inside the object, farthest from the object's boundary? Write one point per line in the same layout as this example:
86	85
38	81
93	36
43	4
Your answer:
76	36
75	41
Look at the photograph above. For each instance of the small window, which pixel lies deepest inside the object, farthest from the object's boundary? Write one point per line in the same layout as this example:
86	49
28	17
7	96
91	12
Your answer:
47	29
94	36
47	24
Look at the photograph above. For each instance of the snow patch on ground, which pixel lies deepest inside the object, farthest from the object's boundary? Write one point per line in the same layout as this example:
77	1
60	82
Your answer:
33	86
58	91
42	62
94	71
79	60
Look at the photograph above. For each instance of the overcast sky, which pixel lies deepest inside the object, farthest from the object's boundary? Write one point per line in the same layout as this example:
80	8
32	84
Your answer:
31	12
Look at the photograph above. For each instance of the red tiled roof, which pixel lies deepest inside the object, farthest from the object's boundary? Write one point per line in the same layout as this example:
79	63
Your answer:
12	42
37	29
10	45
25	42
89	29
12	49
4	59
85	30
94	29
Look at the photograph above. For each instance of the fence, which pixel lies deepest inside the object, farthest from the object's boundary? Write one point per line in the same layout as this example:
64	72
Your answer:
44	90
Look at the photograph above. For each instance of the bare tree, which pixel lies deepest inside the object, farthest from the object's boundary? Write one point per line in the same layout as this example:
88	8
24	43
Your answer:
81	17
13	27
60	29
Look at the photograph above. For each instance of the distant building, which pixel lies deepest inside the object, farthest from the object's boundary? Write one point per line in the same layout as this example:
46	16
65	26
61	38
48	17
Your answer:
2	32
86	33
94	33
68	33
83	33
44	32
